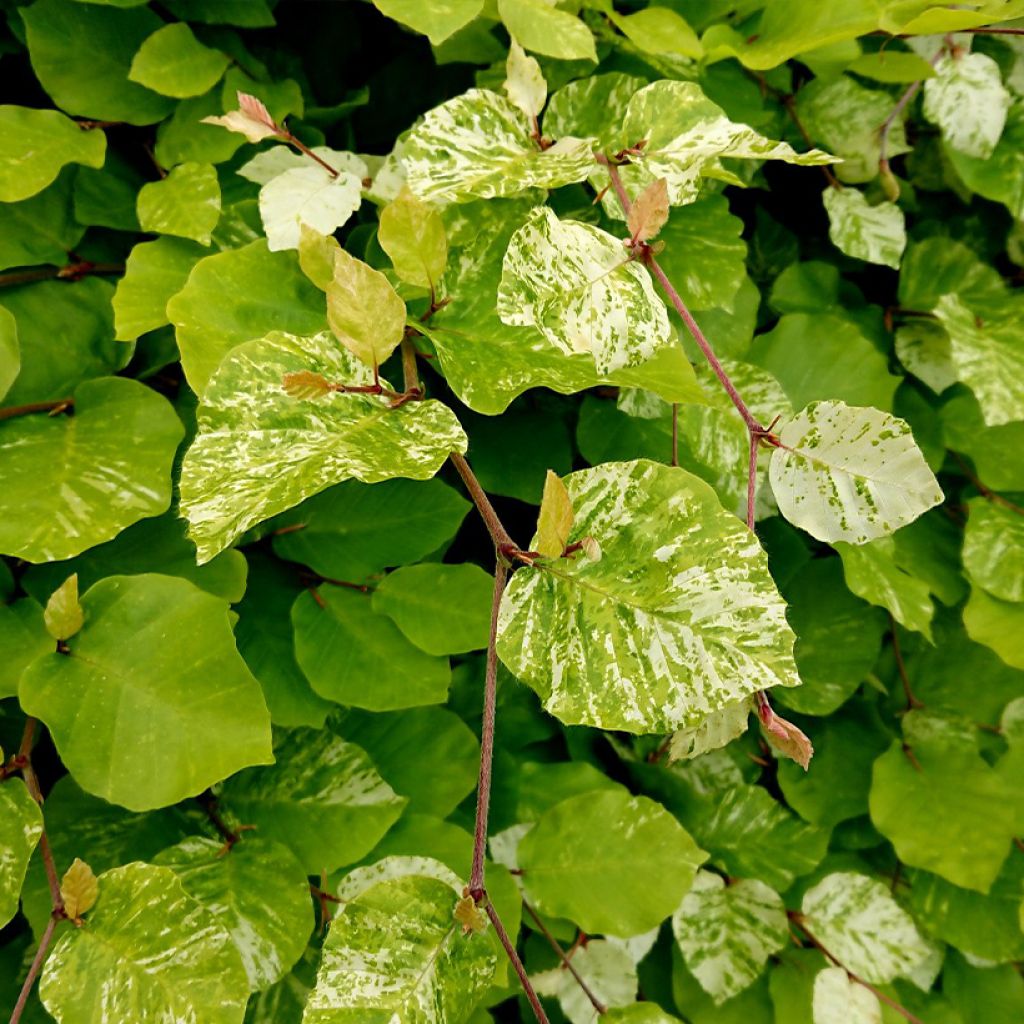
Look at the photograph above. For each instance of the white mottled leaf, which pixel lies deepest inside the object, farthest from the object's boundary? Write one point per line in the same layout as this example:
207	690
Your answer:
968	101
358	880
21	825
924	348
524	81
396	953
857	920
478	145
149	954
876	234
609	972
851	474
726	933
988	356
259	452
686	137
271	163
679	619
711	733
838	1000
307	195
576	284
258	892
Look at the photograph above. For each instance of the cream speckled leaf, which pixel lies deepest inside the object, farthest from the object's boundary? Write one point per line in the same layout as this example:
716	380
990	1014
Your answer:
711	733
987	357
322	797
149	954
838	1000
679	618
876	234
851	474
726	933
687	135
576	284
396	953
71	482
307	195
478	145
968	101
21	825
857	920
260	452
609	972
258	892
994	549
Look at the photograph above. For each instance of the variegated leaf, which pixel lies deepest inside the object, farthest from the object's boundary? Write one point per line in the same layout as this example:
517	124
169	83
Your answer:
396	953
259	452
857	920
988	356
850	474
577	285
524	81
727	932
679	619
607	969
713	732
837	999
479	145
876	234
150	953
271	163
307	195
968	101
687	136
924	348
21	825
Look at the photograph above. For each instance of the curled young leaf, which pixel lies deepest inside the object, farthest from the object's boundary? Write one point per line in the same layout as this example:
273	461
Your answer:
251	119
784	736
63	615
555	519
649	211
79	889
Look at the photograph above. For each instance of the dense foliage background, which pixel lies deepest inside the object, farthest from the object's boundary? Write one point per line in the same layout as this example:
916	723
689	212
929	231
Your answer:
259	756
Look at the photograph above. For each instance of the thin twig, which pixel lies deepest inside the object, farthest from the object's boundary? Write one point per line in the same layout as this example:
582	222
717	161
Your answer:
72	272
566	961
986	492
306	151
517	964
901	668
477	880
502	541
883	138
33	971
56	405
755	443
789	102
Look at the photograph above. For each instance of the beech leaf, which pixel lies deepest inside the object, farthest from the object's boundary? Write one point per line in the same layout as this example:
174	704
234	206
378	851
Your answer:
524	81
63	615
649	211
251	119
78	889
555	520
363	310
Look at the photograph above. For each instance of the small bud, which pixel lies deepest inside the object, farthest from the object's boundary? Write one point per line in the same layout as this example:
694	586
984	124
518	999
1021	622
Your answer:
591	549
469	915
890	184
251	119
305	384
784	736
79	890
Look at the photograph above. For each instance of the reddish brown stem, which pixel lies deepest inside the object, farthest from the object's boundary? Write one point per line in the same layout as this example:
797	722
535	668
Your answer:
71	272
901	668
566	961
58	404
517	964
306	151
502	541
34	969
987	492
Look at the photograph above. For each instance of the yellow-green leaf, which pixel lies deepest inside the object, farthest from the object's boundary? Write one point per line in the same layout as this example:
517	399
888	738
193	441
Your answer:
63	615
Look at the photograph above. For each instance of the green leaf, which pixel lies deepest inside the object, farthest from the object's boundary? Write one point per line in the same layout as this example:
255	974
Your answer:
247	13
21	825
436	19
984	995
554	521
687	136
364	311
843	473
727	933
36	144
154	273
873	574
968	101
241	468
677	655
173	62
139	723
442	609
993	551
938	266
999	176
845	116
412	234
235	296
149	950
323	798
539	27
258	893
997	624
988	357
926	806
353	530
478	145
307	195
638	1013
892	66
185	203
590	858
354	655
82	53
608	971
433	972
856	919
838	999
42	229
23	638
74	482
106	197
659	30
576	284
63	614
876	234
524	81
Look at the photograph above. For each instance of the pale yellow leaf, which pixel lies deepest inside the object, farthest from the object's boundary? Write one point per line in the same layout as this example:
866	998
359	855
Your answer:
79	889
63	615
555	519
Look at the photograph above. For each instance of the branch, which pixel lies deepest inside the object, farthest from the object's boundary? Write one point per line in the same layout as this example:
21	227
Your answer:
71	272
517	964
908	94
54	406
33	971
306	151
566	961
502	541
901	668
